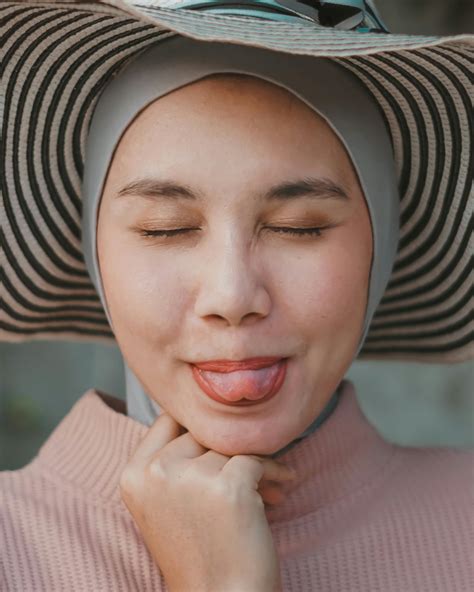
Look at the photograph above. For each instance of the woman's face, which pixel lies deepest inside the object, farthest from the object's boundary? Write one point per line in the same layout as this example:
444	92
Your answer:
233	159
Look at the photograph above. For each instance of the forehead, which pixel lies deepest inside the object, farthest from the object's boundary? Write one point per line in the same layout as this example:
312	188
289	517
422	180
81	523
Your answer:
231	136
230	116
229	96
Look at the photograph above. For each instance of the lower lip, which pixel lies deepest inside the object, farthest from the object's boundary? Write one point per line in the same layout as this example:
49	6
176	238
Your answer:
243	403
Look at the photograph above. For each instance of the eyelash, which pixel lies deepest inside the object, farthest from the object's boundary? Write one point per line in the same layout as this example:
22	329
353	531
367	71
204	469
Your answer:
317	231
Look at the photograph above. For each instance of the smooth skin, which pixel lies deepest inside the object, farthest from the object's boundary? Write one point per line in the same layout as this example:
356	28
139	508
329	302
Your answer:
233	281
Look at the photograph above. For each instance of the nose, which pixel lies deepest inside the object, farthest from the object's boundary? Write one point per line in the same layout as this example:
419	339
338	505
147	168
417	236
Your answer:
231	288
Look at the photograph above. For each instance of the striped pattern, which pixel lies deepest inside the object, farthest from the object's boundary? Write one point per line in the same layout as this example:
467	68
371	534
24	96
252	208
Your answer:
56	58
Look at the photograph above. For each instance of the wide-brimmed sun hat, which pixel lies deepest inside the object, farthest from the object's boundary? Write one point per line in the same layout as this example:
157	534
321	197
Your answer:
57	57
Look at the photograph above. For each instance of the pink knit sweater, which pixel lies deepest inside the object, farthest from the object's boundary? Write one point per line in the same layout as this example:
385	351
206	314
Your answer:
364	515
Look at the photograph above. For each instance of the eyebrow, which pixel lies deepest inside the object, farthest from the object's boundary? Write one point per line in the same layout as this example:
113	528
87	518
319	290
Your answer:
312	187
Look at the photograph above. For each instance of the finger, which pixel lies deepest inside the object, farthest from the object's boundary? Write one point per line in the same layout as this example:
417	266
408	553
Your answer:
181	448
244	469
271	494
211	462
252	469
163	430
274	470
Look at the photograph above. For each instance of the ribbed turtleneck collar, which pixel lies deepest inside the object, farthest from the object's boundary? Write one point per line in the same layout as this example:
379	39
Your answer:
92	444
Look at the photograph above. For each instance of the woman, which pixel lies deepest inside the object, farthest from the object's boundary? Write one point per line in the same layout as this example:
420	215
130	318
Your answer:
281	248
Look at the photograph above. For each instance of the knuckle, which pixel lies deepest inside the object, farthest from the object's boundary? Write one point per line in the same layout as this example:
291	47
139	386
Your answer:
224	490
129	481
247	461
166	422
230	492
156	469
193	473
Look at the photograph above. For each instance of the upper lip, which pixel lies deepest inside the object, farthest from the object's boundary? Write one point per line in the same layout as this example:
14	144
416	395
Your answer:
232	365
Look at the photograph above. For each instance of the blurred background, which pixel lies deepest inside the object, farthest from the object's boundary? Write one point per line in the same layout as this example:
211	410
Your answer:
411	404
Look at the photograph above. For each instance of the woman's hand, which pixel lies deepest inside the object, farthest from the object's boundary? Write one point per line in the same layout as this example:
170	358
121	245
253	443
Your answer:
200	512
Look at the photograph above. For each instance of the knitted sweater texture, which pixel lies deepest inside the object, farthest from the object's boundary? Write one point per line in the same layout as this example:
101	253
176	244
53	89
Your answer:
364	515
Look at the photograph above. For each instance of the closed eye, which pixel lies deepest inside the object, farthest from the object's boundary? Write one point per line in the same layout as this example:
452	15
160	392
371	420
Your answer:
315	231
167	232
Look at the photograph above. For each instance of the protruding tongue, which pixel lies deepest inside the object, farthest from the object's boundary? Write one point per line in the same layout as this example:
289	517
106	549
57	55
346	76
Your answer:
242	384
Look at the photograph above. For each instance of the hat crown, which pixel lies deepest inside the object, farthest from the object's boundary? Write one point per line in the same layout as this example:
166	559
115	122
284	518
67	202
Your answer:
355	15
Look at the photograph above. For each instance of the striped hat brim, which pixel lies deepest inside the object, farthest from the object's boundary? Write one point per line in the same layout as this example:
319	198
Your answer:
57	57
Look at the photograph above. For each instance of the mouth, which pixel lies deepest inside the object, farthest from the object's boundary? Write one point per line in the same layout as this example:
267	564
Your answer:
241	383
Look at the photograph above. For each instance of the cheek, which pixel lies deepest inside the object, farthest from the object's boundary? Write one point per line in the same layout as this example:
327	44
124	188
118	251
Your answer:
145	294
328	291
